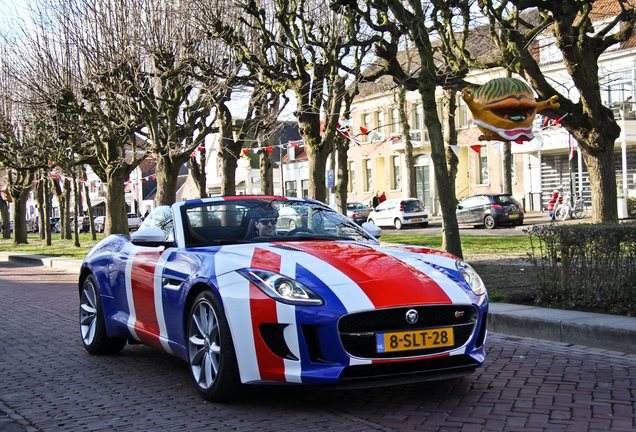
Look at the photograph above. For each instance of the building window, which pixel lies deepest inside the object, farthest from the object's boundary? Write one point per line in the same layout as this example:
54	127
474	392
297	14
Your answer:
396	180
461	114
365	122
379	122
368	177
351	186
481	166
304	184
394	121
416	112
290	188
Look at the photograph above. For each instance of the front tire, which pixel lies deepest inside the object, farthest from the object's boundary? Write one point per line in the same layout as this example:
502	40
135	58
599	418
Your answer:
211	353
92	326
562	213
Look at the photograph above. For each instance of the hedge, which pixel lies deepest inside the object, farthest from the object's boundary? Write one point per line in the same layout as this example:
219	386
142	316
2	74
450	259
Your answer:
585	266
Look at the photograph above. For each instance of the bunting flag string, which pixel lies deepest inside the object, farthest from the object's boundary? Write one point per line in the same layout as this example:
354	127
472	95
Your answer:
345	133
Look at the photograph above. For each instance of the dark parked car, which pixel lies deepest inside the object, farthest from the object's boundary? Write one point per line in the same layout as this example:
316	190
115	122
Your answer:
358	212
489	211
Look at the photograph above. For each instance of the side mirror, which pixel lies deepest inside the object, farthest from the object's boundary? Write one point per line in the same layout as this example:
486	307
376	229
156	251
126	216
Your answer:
459	207
151	237
372	229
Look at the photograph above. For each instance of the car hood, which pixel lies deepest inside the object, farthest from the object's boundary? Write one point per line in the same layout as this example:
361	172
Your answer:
389	275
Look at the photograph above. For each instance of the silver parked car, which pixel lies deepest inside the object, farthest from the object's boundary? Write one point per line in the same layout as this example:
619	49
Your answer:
398	212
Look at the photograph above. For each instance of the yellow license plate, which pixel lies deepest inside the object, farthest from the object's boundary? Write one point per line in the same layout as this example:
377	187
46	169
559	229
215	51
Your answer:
365	214
512	216
416	220
414	339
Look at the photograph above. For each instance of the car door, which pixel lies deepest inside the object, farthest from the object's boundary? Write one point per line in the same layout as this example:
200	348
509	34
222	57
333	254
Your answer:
383	213
464	215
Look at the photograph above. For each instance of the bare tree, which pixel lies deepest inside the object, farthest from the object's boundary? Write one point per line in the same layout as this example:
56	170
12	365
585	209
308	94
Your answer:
393	20
299	46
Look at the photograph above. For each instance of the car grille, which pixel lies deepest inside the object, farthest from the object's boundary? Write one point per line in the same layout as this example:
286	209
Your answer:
358	331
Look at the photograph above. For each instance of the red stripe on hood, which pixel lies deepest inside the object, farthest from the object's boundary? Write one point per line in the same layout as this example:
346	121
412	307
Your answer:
387	281
263	310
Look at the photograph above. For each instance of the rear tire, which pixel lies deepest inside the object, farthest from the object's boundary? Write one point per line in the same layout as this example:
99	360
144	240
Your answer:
579	211
397	223
489	222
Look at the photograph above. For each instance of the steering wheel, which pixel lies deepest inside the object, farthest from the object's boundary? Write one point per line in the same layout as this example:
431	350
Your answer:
298	230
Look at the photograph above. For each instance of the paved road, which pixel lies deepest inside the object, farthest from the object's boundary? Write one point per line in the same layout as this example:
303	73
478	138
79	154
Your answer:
49	383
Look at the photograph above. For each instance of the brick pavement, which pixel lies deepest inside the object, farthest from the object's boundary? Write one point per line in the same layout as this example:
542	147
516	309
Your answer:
50	383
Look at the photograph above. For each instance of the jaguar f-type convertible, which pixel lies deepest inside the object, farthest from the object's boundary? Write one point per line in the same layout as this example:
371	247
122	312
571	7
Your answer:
244	299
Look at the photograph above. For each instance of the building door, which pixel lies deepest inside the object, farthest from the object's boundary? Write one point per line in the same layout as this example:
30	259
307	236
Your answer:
423	185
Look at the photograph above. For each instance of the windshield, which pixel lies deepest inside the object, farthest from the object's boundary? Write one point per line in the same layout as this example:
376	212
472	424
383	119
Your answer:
260	220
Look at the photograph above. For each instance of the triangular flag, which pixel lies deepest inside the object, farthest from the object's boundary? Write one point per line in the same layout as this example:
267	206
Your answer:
395	137
345	123
245	151
476	147
269	149
364	130
375	136
496	147
293	144
557	121
455	149
518	142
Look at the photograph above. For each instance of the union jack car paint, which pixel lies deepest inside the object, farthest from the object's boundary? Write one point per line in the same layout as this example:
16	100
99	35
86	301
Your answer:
320	303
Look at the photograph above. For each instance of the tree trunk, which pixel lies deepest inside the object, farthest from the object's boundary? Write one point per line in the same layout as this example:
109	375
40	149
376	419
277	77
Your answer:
166	175
317	168
342	185
66	225
39	189
409	175
450	139
19	217
90	212
116	210
601	169
267	175
78	205
451	241
47	212
228	167
506	166
4	214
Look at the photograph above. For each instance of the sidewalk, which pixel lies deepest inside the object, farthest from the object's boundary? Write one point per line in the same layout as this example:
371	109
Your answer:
611	332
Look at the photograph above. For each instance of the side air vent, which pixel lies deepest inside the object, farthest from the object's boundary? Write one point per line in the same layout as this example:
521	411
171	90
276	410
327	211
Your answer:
288	248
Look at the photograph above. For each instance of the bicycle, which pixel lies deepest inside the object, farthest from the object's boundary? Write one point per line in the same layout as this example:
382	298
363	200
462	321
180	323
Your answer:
576	210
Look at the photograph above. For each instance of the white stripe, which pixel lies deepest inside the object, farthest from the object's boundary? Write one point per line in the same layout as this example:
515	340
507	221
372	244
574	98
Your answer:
423	263
235	292
158	290
132	316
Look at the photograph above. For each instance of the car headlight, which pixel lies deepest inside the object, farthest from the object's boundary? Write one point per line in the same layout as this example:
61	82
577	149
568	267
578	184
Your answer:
282	288
471	277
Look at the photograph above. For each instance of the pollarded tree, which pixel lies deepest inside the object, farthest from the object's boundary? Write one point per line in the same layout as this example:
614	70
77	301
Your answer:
302	46
393	20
